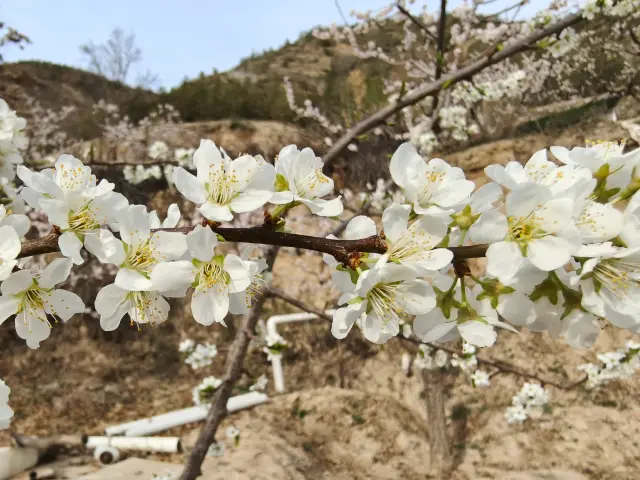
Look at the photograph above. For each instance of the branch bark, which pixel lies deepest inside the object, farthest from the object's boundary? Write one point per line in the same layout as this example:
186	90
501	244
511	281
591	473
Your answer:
445	82
342	250
416	21
440	459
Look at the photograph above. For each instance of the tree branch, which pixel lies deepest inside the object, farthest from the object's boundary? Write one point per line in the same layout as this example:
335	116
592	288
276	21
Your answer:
416	21
342	250
445	82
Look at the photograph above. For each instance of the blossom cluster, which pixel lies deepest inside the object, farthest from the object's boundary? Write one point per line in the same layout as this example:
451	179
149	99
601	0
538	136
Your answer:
618	365
429	358
467	363
529	402
274	345
560	238
465	110
203	392
198	356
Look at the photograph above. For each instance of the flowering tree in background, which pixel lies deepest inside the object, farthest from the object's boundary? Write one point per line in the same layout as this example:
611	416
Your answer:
464	72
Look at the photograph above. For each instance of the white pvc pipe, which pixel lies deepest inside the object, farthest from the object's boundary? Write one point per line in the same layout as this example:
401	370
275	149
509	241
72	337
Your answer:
147	444
16	460
148	426
276	360
106	454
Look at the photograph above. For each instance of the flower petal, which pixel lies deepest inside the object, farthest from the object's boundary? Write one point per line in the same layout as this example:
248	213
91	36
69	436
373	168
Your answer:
395	220
345	317
549	253
133	280
168	276
202	242
216	213
209	306
359	227
17	282
8	306
70	246
189	186
56	272
63	304
504	259
250	200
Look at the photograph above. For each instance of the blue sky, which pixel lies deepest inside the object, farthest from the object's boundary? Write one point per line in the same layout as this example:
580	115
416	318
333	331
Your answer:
178	38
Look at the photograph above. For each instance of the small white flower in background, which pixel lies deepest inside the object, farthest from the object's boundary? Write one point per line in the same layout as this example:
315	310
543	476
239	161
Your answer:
202	356
441	358
474	321
222	185
619	365
159	150
233	433
299	178
414	245
215	277
186	346
480	379
260	385
275	345
536	227
384	296
5	410
216	449
529	402
74	202
433	187
203	393
516	414
184	157
9	250
352	147
31	295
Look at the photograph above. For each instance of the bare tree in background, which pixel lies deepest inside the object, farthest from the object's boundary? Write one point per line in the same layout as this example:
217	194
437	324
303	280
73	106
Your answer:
114	58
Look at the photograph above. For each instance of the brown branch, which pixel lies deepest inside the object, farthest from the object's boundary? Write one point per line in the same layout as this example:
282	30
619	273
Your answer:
235	361
445	82
416	21
265	235
442	33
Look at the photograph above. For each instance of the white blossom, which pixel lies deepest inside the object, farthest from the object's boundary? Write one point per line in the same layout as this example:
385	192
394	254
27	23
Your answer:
300	179
31	296
222	185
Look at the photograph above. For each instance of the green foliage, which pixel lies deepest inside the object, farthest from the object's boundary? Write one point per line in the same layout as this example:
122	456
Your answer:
219	97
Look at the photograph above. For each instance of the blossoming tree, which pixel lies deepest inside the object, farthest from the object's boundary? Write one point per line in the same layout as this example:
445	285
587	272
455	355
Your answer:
560	239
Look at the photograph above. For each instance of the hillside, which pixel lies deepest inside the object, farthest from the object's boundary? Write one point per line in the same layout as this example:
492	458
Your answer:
57	86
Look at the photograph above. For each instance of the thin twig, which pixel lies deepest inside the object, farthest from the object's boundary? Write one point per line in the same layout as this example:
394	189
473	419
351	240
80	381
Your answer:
416	21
